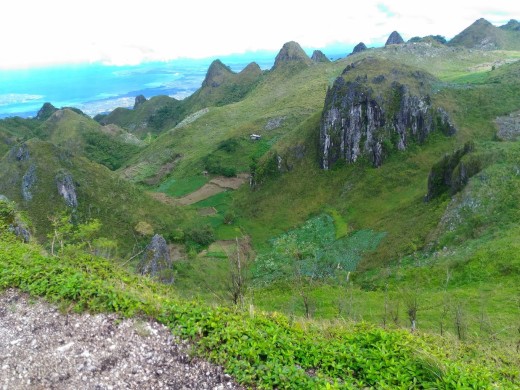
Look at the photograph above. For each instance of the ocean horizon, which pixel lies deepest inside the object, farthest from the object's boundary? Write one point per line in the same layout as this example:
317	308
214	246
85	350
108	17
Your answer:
97	88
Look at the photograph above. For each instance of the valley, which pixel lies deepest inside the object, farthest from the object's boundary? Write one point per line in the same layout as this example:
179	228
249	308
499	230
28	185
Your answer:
366	236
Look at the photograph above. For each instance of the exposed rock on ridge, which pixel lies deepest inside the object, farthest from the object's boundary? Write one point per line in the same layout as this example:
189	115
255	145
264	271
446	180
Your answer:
28	181
360	120
66	188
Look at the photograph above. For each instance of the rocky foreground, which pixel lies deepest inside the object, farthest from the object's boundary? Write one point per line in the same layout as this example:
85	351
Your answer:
42	348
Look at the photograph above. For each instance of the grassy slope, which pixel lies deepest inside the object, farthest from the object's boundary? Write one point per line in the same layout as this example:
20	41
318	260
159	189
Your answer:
389	199
82	136
101	194
264	350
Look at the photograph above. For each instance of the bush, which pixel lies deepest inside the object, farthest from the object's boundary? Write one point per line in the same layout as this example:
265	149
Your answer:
200	236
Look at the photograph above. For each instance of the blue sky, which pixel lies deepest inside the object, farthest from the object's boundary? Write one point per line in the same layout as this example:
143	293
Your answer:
118	32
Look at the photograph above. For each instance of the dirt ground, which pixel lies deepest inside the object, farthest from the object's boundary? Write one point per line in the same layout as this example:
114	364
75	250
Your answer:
41	348
213	187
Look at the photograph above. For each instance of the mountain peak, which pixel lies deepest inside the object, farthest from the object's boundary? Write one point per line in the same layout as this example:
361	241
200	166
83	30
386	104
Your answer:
46	111
394	39
291	52
359	48
217	71
481	34
139	99
318	56
251	68
481	22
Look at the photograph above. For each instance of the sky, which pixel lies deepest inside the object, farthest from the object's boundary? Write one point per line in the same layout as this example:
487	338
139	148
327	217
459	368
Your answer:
116	32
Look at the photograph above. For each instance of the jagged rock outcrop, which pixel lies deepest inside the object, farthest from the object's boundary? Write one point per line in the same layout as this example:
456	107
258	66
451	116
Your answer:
139	99
28	181
359	48
46	111
216	74
394	39
67	189
373	117
318	56
156	260
20	153
291	52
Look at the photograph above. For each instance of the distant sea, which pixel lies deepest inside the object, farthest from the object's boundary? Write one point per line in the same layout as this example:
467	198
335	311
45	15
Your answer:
97	88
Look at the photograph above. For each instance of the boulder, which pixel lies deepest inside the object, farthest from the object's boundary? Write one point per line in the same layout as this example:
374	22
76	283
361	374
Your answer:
156	261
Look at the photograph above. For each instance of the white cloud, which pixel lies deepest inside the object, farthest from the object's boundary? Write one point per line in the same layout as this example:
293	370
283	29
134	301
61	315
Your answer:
122	32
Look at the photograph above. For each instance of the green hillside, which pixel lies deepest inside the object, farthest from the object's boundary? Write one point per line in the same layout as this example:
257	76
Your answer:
30	174
485	36
259	349
359	217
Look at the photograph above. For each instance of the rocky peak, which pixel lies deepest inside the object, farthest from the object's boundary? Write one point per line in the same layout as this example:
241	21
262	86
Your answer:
216	74
139	99
359	48
318	56
291	52
156	261
46	111
394	39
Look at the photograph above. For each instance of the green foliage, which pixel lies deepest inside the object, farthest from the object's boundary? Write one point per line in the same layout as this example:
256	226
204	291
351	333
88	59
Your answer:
199	236
213	165
262	350
108	151
314	250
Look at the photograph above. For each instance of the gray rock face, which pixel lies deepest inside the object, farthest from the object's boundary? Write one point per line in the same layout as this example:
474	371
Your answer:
28	180
20	153
21	231
359	48
394	39
156	260
356	122
318	56
66	189
509	127
453	171
139	99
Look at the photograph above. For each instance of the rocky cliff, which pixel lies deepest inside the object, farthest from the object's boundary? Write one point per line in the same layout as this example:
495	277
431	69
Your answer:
372	116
